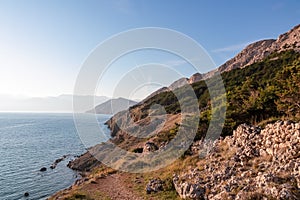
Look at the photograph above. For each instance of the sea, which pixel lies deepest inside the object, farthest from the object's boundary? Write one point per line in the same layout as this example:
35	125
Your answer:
30	141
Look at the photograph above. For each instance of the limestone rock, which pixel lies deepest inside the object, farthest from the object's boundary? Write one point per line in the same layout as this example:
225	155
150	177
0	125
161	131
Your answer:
256	164
154	185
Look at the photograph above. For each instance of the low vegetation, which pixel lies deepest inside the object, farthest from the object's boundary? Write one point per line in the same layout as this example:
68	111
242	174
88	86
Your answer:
262	92
257	94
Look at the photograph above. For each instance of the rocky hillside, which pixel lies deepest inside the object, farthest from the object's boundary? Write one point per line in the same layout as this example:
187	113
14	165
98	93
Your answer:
248	164
253	53
253	163
259	161
254	94
259	50
177	84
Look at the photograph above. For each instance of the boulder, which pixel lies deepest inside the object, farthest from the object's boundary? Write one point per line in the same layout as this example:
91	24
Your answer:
43	169
149	147
154	185
253	163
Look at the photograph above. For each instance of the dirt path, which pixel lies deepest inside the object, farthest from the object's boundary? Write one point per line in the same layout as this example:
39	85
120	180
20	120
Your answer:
114	187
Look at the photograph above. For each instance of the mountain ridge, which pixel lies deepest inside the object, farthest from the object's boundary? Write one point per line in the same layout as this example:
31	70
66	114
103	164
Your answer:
259	50
252	53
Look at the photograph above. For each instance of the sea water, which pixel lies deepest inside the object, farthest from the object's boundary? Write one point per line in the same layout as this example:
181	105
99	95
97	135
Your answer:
29	142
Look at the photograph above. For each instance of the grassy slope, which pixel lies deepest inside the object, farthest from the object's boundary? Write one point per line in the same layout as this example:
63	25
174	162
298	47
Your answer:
254	93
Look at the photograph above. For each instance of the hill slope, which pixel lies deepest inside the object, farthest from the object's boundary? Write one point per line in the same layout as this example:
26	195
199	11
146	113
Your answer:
112	106
261	91
251	162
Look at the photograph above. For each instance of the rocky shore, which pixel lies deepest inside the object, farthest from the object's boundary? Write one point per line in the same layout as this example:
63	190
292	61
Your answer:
247	162
253	163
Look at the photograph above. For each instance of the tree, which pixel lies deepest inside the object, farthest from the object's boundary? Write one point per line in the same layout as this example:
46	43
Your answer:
289	90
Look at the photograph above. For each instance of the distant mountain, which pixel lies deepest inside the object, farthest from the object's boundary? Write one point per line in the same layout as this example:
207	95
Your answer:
62	103
113	106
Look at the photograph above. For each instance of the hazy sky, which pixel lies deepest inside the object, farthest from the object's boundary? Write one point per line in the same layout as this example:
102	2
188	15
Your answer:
43	43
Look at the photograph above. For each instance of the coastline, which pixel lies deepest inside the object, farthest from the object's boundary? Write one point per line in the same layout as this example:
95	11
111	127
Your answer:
257	155
244	158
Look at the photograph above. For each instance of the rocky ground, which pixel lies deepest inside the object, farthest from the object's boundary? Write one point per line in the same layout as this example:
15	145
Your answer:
253	163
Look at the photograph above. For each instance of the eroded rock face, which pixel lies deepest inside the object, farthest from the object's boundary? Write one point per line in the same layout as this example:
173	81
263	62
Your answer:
259	50
289	40
253	163
251	54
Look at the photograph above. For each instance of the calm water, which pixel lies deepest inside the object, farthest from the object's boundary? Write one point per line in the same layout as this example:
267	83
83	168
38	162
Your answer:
31	141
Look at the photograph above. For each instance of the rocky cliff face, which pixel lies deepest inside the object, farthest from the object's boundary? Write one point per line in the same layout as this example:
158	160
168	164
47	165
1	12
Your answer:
251	54
259	50
289	40
254	163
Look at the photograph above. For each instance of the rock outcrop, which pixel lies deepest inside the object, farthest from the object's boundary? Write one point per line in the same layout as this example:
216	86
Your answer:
257	51
55	163
289	40
251	54
84	163
154	185
43	169
253	163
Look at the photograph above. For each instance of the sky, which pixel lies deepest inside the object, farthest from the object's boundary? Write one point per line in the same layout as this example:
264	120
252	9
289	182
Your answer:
44	43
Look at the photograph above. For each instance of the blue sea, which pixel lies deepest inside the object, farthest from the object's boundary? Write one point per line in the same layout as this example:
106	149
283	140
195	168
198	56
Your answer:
29	142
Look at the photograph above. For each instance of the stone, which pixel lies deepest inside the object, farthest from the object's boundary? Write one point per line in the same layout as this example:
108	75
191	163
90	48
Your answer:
53	166
269	151
149	147
154	185
287	194
262	163
43	169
